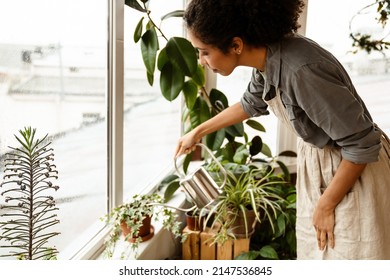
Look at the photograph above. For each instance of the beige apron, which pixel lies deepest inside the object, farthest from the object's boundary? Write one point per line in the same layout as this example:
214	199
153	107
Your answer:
362	226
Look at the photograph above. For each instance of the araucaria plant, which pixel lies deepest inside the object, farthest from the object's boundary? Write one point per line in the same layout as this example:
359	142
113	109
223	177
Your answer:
29	211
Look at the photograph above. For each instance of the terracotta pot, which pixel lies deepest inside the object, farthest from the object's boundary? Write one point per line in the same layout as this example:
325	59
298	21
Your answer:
146	231
194	222
238	226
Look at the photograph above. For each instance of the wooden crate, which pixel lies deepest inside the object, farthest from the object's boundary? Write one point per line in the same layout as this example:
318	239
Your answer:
198	246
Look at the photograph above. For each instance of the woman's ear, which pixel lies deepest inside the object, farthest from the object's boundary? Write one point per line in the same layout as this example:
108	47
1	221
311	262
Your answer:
237	45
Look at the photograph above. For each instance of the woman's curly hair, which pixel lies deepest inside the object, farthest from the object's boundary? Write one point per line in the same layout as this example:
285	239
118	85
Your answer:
257	22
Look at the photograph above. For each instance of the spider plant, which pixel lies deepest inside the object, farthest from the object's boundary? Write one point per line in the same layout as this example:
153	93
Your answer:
249	191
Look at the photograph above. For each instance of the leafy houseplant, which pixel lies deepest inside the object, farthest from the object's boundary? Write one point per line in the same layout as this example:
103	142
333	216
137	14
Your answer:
247	195
279	241
129	219
29	171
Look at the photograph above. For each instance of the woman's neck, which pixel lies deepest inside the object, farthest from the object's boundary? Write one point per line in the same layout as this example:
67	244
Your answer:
254	57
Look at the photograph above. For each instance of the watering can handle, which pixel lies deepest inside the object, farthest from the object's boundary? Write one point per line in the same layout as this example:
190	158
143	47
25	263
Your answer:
216	161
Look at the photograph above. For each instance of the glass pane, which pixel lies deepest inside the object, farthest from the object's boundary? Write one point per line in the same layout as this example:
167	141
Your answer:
151	123
53	78
369	72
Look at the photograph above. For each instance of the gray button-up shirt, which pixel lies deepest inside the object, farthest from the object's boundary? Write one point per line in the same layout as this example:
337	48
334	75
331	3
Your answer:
321	101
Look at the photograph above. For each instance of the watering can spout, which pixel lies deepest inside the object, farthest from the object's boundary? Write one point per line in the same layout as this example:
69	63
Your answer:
173	207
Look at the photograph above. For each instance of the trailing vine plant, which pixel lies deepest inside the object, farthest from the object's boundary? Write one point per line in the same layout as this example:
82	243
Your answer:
366	41
30	209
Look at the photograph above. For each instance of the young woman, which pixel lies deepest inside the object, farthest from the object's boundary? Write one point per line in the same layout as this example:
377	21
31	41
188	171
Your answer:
343	165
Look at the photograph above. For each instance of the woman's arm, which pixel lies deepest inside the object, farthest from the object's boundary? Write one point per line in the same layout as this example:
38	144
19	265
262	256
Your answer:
324	214
230	116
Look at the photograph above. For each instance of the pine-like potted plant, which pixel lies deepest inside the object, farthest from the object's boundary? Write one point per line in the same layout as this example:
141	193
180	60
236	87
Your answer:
30	206
134	222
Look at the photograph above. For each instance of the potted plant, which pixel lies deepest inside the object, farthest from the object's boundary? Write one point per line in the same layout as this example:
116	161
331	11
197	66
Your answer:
276	239
247	198
195	219
29	204
134	221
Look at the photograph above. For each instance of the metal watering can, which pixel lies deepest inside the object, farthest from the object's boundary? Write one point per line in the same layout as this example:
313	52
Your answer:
200	186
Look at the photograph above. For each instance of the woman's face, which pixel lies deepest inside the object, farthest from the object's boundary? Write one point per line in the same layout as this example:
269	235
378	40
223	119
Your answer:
214	58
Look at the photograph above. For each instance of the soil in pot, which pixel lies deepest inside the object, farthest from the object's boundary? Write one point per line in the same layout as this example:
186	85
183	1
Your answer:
146	231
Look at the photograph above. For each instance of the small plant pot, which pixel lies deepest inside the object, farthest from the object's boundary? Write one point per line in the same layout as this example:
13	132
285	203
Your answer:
146	231
238	228
194	222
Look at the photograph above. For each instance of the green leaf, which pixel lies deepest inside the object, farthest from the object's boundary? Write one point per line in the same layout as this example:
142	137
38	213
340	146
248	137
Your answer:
150	78
255	125
288	154
170	190
177	13
241	155
149	48
138	31
281	222
256	146
182	54
199	113
135	5
218	100
187	162
291	240
266	150
162	59
150	25
214	140
268	252
190	91
251	255
199	77
171	82
284	169
169	179
236	130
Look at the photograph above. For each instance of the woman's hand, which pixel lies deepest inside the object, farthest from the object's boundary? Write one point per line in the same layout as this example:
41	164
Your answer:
187	143
324	221
324	214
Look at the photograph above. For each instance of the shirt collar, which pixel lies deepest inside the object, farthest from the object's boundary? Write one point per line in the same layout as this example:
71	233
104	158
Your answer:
272	68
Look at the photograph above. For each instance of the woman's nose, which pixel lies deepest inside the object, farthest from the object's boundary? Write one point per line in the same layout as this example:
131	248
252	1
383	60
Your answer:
202	61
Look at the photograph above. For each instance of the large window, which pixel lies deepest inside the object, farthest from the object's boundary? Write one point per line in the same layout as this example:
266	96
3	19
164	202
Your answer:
55	74
53	61
329	24
151	123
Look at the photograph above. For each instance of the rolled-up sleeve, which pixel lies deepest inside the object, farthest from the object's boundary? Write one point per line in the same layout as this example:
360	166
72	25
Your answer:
251	101
328	98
